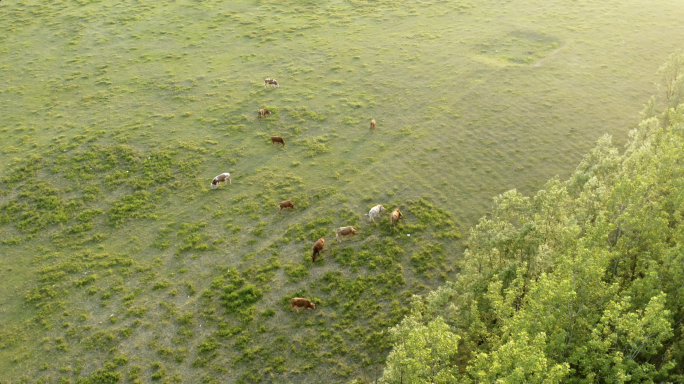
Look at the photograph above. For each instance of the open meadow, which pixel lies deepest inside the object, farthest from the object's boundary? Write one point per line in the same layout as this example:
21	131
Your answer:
119	263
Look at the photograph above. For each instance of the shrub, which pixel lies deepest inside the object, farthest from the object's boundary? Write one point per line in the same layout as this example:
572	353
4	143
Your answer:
137	311
25	170
429	257
245	296
208	345
315	146
158	375
161	285
86	280
295	272
132	206
120	360
226	331
345	256
241	341
88	215
37	207
100	339
102	376
268	312
186	318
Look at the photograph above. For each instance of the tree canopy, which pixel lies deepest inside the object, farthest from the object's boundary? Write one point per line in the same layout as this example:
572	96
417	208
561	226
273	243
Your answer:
582	282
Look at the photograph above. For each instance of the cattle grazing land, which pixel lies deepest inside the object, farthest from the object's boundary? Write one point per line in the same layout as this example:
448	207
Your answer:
119	263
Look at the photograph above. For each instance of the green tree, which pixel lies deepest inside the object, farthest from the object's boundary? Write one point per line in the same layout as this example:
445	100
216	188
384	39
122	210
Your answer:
672	83
520	360
423	353
672	79
580	283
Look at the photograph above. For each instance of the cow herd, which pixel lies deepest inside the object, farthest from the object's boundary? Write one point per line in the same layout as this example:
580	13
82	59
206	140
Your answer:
373	214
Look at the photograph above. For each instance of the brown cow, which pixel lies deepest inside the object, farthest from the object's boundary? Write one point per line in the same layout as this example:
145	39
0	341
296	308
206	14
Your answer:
372	126
286	204
317	248
264	112
277	139
396	214
344	231
298	302
222	178
271	82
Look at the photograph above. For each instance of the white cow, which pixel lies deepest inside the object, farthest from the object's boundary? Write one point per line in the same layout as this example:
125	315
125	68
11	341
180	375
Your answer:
222	178
375	212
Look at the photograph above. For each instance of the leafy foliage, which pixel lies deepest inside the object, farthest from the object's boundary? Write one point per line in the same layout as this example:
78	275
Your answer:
424	352
580	283
141	105
136	205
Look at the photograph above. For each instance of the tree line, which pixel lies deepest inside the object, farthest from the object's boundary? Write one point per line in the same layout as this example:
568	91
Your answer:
583	282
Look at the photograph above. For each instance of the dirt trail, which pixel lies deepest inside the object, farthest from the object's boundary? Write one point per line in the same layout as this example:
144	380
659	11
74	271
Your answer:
552	54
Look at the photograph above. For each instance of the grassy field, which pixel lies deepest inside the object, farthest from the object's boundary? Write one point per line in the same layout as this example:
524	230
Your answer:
119	263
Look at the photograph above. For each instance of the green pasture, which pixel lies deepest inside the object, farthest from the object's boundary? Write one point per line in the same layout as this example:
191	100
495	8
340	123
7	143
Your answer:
119	263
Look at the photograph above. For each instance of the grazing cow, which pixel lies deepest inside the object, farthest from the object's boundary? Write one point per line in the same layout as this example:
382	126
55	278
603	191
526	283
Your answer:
298	302
317	248
394	217
220	179
264	112
344	231
375	212
286	204
277	139
372	126
271	82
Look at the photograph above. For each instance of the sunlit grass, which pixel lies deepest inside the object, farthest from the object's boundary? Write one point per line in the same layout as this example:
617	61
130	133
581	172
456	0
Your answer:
119	262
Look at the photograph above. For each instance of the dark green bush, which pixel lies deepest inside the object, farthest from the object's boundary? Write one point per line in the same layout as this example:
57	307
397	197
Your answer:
429	257
245	296
208	345
296	272
88	215
102	376
133	206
